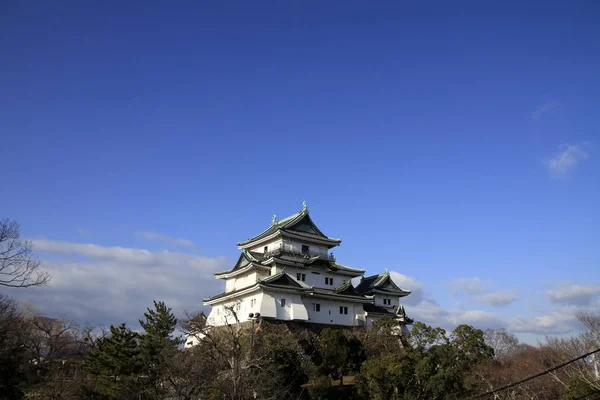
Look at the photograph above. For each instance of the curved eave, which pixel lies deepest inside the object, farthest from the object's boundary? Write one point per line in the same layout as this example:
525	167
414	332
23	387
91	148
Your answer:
347	268
347	273
211	300
342	269
329	242
255	241
340	297
268	288
231	274
402	293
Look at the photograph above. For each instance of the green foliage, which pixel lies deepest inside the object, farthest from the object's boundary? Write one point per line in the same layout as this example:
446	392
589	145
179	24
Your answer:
157	345
435	367
424	336
283	356
160	323
333	347
115	365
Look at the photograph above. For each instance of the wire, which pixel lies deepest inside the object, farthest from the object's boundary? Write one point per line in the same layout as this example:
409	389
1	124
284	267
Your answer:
494	391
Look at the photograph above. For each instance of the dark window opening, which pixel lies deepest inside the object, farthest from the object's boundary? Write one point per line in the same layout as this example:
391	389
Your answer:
266	248
316	307
301	277
343	310
305	249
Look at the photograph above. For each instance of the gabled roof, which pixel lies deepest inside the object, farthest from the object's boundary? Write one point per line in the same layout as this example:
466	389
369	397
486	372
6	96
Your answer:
347	289
394	312
380	284
339	267
298	225
245	259
316	261
283	280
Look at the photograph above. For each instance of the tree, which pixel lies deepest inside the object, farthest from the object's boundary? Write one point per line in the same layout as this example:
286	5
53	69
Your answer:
434	366
503	342
243	360
584	372
335	353
56	349
424	336
115	365
12	350
157	346
19	267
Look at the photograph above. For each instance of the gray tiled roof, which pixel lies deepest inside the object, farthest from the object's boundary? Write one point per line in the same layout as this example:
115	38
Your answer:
380	283
299	223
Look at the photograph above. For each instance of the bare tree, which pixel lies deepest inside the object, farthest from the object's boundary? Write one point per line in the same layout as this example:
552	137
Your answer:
242	359
586	370
19	267
504	343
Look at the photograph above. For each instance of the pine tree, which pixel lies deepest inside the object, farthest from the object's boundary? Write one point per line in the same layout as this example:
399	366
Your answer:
160	323
157	346
115	365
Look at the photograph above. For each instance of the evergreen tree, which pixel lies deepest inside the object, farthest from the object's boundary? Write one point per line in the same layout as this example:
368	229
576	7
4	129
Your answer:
157	346
115	366
160	323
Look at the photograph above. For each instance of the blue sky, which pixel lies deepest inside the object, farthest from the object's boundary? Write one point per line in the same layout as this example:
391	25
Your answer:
454	144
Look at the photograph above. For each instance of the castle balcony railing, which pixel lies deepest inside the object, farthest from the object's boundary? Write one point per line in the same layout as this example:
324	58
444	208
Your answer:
290	250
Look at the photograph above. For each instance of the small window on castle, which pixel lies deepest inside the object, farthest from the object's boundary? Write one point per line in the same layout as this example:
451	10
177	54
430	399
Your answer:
266	248
282	302
328	281
301	277
343	310
305	249
316	307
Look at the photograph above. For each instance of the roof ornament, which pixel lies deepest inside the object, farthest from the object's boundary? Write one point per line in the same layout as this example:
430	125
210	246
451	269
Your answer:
304	206
386	271
274	219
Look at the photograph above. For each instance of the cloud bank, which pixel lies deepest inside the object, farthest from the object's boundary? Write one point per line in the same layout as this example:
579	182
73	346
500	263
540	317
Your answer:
176	242
113	284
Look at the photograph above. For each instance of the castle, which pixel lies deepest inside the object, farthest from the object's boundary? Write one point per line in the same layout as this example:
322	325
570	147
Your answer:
288	273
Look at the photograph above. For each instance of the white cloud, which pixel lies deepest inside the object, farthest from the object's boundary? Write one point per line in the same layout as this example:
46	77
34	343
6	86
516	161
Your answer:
478	319
129	256
408	283
470	286
109	285
567	293
499	298
177	242
552	324
113	284
544	107
432	313
561	164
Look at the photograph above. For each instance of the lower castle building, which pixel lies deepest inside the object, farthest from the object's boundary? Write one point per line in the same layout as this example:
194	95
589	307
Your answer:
288	273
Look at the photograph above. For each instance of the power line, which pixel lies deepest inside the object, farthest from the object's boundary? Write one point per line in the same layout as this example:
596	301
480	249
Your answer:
534	376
